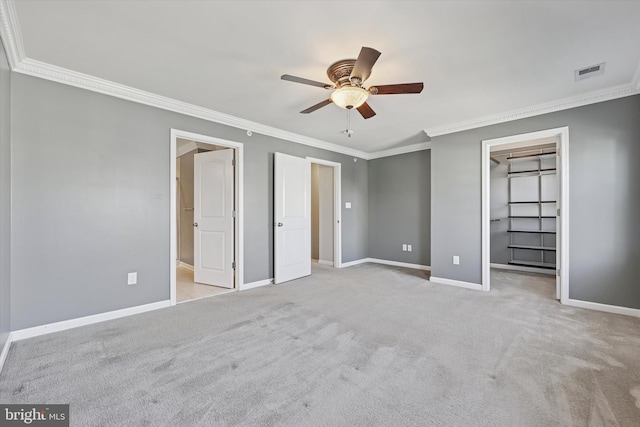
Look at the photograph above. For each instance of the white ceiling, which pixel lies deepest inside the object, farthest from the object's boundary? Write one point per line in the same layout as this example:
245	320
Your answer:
476	58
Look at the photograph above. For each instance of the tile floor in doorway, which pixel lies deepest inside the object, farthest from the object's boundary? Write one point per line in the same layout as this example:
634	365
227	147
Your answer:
187	289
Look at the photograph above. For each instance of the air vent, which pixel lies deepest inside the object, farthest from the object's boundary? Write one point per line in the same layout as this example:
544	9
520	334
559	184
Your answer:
588	72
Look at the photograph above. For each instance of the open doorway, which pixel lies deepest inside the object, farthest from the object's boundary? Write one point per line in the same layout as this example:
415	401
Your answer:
525	206
206	209
325	212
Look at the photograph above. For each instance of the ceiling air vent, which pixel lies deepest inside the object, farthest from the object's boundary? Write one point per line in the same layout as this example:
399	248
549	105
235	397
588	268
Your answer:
588	72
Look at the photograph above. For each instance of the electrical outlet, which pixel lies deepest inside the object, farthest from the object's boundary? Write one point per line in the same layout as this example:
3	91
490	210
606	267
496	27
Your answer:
409	248
347	205
132	278
404	247
456	259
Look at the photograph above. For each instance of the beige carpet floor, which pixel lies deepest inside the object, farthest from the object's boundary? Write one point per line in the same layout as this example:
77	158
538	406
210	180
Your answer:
369	345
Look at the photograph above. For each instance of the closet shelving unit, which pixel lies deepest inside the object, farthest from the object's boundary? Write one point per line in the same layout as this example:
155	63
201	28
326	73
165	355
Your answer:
543	247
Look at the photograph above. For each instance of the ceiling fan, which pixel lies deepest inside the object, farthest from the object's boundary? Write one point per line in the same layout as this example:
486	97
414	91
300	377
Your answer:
347	76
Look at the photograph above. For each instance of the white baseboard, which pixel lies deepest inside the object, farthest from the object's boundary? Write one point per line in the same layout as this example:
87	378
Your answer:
323	262
626	311
87	320
185	265
256	284
523	268
352	263
5	350
385	262
399	264
459	283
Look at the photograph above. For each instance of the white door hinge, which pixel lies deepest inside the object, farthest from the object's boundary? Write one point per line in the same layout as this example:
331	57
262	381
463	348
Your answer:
233	265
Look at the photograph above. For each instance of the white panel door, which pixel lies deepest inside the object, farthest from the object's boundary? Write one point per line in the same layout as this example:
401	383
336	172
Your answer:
213	218
292	217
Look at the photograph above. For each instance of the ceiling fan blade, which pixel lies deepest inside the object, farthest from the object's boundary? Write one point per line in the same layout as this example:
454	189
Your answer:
366	111
364	63
305	81
317	106
396	89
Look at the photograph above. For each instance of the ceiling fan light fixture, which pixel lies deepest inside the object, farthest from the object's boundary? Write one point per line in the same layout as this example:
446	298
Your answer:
348	97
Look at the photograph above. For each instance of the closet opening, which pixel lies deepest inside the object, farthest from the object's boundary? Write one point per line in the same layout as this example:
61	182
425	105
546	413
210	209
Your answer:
206	216
325	212
525	209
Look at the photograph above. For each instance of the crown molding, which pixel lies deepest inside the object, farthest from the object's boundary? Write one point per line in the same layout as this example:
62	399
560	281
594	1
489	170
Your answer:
72	78
12	40
10	33
536	110
400	150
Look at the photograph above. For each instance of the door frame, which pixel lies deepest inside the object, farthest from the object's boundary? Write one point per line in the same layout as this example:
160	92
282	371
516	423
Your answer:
238	199
562	172
337	201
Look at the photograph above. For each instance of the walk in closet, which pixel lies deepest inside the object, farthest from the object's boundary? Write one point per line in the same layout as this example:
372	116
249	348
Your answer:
524	190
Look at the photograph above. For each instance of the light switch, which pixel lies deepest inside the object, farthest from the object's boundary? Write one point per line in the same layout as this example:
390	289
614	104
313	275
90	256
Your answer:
404	247
409	248
347	205
456	259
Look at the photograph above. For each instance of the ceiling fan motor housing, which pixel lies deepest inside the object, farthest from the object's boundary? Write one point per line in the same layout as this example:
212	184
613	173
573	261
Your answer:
340	72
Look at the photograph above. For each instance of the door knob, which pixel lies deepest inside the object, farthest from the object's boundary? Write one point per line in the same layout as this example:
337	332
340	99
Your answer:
280	224
195	224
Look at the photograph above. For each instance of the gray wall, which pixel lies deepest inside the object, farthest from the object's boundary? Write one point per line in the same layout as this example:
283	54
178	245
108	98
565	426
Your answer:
604	235
400	207
5	198
91	200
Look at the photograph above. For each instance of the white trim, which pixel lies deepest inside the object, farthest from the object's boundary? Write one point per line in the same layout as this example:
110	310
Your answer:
87	320
239	201
185	265
536	110
399	264
458	283
522	268
352	263
5	350
323	262
626	311
11	33
562	255
337	206
386	262
400	150
226	291
256	284
62	75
